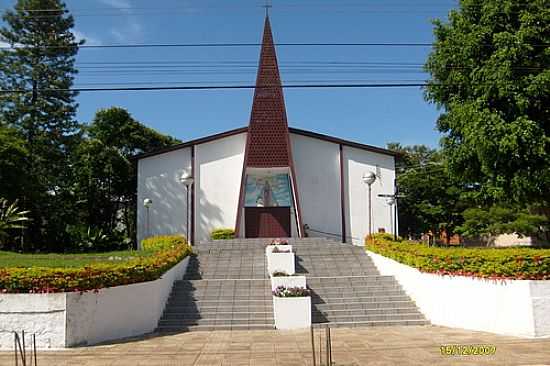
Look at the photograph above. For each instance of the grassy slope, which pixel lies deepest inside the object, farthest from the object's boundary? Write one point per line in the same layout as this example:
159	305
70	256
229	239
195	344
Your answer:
12	260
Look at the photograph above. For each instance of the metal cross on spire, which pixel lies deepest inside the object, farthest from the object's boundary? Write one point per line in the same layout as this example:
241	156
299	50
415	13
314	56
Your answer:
267	6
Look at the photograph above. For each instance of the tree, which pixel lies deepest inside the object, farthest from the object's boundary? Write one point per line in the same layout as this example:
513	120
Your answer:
13	158
105	176
488	222
11	218
42	60
433	201
490	74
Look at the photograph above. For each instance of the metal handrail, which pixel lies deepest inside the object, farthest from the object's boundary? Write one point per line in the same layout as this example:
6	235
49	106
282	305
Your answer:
19	345
339	236
328	347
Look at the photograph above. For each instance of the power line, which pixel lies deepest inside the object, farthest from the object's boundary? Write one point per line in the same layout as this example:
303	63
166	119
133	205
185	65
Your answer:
215	87
206	45
385	81
159	45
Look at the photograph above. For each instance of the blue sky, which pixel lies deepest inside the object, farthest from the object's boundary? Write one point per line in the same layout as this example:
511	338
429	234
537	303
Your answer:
372	116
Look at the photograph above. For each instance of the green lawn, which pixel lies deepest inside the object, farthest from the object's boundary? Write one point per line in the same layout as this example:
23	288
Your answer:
12	260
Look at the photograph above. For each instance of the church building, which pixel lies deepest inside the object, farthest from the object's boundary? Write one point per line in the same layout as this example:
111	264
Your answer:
266	179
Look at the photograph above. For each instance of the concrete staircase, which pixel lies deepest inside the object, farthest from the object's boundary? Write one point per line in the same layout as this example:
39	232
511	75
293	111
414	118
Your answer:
226	287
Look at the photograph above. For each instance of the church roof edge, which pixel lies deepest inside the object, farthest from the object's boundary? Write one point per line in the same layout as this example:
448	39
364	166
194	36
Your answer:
240	130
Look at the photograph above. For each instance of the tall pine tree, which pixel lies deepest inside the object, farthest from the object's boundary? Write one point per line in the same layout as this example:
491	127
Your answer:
39	69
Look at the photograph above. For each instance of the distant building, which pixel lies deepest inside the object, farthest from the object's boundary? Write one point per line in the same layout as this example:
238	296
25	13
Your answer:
266	180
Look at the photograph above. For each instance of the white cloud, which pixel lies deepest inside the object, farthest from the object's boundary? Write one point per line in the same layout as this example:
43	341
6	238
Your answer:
117	3
90	40
129	31
132	31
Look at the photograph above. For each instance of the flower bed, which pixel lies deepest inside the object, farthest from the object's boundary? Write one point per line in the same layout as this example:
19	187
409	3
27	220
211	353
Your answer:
167	251
494	263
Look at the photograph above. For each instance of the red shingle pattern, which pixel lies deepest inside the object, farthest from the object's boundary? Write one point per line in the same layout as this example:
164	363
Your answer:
268	129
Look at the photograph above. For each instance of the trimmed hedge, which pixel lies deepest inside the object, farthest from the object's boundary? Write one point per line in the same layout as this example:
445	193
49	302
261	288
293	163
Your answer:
169	250
495	263
219	234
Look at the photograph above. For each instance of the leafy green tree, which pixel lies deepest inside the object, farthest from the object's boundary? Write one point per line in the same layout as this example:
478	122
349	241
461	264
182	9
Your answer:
42	60
13	158
489	222
490	75
105	175
433	200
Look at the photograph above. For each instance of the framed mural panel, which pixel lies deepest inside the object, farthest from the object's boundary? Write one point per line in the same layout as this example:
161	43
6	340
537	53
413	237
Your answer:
267	191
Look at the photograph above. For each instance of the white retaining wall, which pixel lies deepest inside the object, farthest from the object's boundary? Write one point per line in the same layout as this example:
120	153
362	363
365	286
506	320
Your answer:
510	307
72	319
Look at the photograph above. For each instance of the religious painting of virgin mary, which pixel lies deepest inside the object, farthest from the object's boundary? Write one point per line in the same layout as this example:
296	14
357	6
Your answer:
267	191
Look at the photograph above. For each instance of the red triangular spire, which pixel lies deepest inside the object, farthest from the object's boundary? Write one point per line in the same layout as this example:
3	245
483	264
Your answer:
268	130
268	139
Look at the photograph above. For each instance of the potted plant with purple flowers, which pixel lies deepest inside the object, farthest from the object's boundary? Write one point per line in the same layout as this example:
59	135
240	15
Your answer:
292	307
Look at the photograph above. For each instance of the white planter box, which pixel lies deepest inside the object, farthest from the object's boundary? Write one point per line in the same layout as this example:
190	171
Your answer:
281	262
292	312
288	281
518	308
71	319
270	248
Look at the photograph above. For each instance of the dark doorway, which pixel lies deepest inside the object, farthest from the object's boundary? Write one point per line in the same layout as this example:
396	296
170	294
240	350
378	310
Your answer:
267	222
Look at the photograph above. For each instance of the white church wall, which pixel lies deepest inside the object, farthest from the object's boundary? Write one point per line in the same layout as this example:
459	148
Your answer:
219	167
158	180
356	163
317	167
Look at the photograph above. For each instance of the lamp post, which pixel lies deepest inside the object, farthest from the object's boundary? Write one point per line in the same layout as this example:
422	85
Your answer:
187	180
147	203
369	178
391	202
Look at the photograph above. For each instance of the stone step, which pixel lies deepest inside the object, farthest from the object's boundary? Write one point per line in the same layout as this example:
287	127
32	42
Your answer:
357	286
218	302
364	299
316	318
357	312
193	328
224	315
377	323
232	307
347	294
348	278
363	305
196	284
187	322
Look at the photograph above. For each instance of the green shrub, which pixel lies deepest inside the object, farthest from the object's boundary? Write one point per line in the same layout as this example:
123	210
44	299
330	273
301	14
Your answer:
497	263
161	242
168	251
219	234
95	240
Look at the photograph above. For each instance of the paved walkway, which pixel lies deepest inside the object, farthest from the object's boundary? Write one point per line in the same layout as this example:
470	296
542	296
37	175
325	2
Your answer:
408	345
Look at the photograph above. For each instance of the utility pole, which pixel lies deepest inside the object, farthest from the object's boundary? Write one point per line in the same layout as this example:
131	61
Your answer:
395	196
